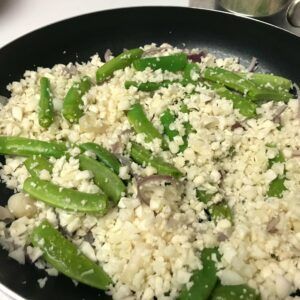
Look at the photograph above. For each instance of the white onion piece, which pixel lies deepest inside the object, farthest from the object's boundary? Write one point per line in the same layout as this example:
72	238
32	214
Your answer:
253	65
107	55
21	205
271	226
5	214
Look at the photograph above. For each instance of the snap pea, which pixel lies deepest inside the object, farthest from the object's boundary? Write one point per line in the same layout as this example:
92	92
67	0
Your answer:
203	280
143	156
106	179
203	196
243	85
221	211
277	187
65	198
149	86
262	79
36	163
172	63
138	120
119	62
66	257
103	155
14	145
73	105
234	292
191	71
245	106
46	110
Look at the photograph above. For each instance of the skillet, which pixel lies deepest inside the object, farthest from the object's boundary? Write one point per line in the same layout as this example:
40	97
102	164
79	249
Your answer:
78	38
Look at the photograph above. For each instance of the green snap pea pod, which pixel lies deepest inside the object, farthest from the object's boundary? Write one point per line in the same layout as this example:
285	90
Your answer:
66	257
203	196
149	86
103	155
221	211
119	62
277	187
172	63
65	198
204	280
138	120
14	145
245	106
234	292
245	86
35	164
142	156
46	110
263	80
106	179
73	105
191	73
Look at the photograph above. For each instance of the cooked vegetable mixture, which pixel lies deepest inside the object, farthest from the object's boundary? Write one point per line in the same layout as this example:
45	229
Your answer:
162	173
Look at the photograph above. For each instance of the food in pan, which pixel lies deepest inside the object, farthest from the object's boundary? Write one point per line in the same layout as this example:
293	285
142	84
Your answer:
160	173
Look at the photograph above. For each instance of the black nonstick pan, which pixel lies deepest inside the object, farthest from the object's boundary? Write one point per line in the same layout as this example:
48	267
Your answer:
78	38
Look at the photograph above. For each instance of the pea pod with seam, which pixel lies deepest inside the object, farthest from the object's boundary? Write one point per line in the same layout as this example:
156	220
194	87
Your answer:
14	145
173	63
72	109
243	85
149	86
203	280
103	155
65	198
66	257
46	110
143	156
119	62
36	163
140	123
104	177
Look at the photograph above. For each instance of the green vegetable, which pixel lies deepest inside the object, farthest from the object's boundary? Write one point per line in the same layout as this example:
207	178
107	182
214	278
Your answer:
279	158
35	164
103	155
172	63
14	145
191	70
73	105
245	106
221	211
142	156
46	110
203	196
66	257
277	187
64	198
204	280
120	62
234	292
138	120
106	179
243	85
262	79
148	86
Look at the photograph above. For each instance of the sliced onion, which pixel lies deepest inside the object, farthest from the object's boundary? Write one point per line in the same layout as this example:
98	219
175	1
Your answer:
295	85
141	181
222	237
296	153
253	65
278	113
196	57
271	226
107	55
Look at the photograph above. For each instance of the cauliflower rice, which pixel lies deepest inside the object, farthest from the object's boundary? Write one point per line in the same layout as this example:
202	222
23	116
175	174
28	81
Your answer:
150	250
